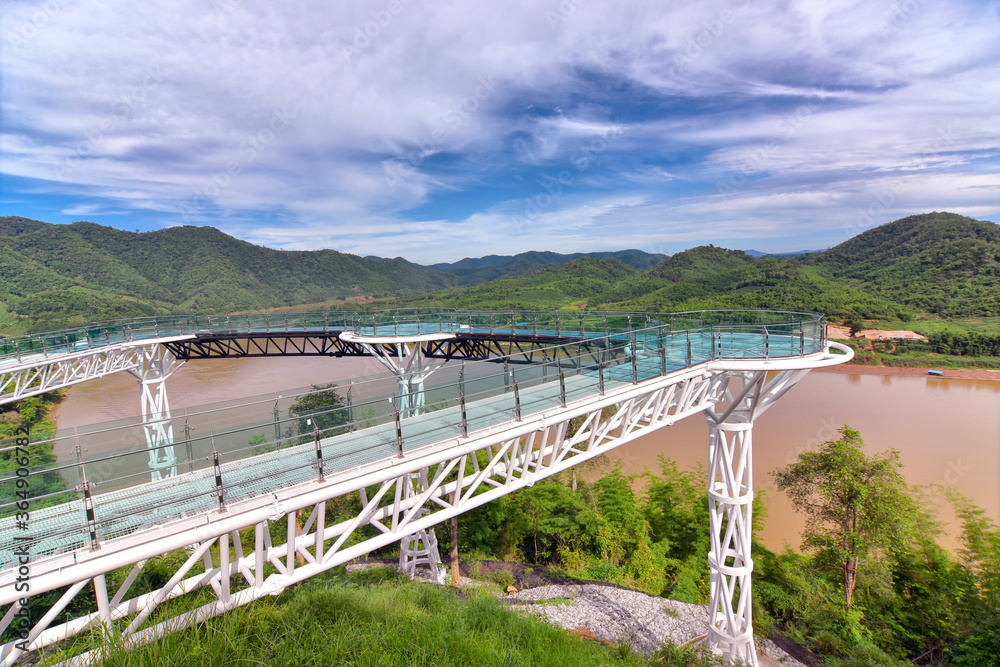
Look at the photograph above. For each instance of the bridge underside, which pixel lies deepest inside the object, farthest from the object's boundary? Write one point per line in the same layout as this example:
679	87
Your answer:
470	346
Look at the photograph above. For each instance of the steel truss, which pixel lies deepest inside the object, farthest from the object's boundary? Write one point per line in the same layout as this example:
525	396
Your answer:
261	344
462	474
59	371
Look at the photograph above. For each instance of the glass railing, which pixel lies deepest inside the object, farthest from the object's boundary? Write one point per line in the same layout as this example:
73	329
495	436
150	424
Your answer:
107	481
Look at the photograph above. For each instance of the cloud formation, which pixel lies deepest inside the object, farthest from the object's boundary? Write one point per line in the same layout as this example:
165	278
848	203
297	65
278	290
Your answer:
435	132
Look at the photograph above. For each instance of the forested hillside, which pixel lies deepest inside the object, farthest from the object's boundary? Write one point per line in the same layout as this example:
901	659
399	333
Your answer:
49	272
938	265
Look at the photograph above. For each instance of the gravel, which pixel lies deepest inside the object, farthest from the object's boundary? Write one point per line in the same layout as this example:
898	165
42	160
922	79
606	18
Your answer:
615	614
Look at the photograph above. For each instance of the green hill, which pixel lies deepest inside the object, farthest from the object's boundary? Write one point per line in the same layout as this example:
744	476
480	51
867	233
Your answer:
570	284
940	263
51	273
477	270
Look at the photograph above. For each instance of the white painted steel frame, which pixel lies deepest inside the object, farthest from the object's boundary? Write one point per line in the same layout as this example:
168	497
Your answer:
467	472
62	370
157	364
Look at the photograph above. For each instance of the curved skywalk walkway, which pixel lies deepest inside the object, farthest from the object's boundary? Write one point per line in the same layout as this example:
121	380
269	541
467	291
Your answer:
120	512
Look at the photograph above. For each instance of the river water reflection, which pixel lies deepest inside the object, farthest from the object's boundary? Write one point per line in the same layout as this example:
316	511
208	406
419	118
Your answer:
948	431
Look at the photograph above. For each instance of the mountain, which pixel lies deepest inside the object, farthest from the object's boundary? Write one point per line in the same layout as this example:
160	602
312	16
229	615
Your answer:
53	272
940	263
477	270
571	284
796	253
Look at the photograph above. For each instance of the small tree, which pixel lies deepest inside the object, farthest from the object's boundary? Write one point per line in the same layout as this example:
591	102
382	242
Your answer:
321	408
856	506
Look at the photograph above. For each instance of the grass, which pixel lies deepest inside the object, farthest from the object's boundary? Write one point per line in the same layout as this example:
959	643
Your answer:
375	617
346	619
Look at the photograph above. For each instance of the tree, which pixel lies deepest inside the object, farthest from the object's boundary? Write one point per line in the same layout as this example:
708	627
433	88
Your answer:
856	506
321	408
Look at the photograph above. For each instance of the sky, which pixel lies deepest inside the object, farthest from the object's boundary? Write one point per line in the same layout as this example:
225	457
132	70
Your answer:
437	131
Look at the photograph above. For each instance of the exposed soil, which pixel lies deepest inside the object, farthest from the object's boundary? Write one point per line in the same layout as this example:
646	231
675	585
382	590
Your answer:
952	373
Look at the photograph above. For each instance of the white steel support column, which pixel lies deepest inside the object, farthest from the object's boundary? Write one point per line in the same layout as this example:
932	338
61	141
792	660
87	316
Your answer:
730	507
740	397
157	365
410	369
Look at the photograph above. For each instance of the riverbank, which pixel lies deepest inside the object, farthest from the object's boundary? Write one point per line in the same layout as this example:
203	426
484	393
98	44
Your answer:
951	373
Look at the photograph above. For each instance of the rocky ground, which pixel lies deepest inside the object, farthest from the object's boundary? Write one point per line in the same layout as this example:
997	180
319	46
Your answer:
620	615
607	612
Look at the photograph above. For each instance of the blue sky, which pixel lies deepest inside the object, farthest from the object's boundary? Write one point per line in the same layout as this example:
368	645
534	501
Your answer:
454	129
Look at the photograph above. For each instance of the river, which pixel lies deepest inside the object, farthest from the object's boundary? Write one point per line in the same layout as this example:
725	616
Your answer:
947	431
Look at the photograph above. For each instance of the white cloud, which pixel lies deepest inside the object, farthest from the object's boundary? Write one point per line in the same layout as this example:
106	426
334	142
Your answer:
338	119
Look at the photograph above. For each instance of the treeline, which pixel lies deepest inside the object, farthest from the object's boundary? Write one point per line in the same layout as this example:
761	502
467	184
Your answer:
914	602
34	416
964	343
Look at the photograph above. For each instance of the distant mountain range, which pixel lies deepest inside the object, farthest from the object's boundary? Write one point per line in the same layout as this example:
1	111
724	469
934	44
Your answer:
55	275
759	253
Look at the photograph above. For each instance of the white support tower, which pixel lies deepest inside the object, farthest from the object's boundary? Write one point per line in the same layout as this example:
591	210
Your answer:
411	369
419	549
155	366
742	396
406	361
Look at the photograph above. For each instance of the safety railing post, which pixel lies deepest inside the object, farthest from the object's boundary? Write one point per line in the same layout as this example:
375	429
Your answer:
767	344
600	375
562	387
188	447
229	324
399	430
517	401
802	341
635	363
559	325
583	327
319	453
506	375
88	499
535	324
465	419
689	348
220	490
663	356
